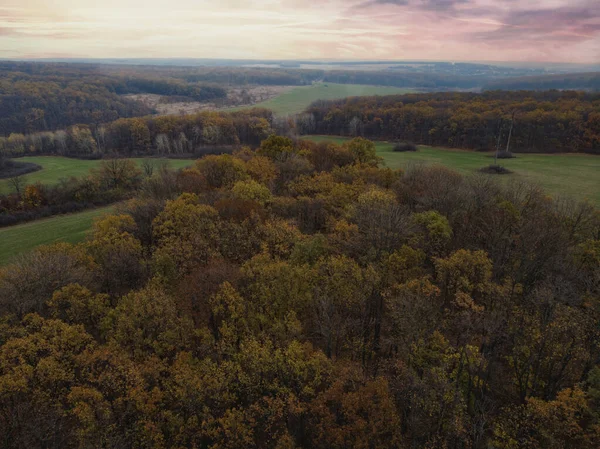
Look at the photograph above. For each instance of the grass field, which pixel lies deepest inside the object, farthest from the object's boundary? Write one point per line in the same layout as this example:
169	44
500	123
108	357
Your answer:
572	175
70	228
55	168
298	99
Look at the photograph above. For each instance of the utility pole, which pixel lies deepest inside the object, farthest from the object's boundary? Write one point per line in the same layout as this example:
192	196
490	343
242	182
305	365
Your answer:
498	142
512	122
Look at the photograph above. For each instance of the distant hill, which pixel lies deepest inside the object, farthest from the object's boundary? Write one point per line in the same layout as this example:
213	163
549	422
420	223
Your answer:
569	81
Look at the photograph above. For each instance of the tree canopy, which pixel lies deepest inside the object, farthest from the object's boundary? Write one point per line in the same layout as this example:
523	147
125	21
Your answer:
297	295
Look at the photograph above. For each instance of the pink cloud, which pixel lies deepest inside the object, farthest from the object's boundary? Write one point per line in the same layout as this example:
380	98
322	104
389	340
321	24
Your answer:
541	30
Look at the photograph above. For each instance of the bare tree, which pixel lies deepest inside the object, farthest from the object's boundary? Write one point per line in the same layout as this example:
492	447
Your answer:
100	135
354	126
17	183
305	123
148	166
60	139
116	173
163	145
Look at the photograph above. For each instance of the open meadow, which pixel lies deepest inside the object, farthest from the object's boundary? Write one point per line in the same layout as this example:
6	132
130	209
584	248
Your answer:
55	168
571	175
72	228
298	99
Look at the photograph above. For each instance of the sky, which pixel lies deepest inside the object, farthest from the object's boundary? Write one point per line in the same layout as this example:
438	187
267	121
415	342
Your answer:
455	30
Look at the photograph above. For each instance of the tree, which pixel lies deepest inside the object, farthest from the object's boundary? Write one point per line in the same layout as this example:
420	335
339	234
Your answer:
32	197
433	232
307	300
383	224
464	278
354	126
221	171
262	169
75	304
276	147
81	140
148	322
185	233
148	167
340	306
118	253
356	415
30	281
140	135
38	368
567	421
251	190
364	151
17	183
118	173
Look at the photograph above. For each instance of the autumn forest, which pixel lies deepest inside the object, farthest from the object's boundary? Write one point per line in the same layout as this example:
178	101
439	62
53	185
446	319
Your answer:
281	292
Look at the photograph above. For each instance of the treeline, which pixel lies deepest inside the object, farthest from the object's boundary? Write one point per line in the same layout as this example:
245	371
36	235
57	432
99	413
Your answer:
10	168
28	104
422	80
42	97
114	180
465	76
171	88
549	121
572	81
223	74
245	76
297	296
165	135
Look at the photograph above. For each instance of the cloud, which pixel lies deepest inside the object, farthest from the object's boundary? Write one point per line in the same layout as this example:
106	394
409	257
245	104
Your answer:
567	23
436	5
566	30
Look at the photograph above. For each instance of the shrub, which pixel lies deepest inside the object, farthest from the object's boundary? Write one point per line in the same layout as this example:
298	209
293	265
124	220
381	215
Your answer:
505	155
10	169
405	146
495	170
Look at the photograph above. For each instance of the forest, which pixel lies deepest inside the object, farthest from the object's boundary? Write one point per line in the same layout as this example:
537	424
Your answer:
297	295
46	97
167	136
152	135
465	76
424	80
572	81
264	77
39	97
545	122
114	180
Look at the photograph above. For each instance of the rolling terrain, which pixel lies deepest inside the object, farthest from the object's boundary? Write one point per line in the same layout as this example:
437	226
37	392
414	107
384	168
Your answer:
298	99
71	228
572	175
55	168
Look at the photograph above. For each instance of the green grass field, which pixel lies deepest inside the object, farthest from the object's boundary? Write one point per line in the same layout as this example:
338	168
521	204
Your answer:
571	175
71	228
298	99
55	168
